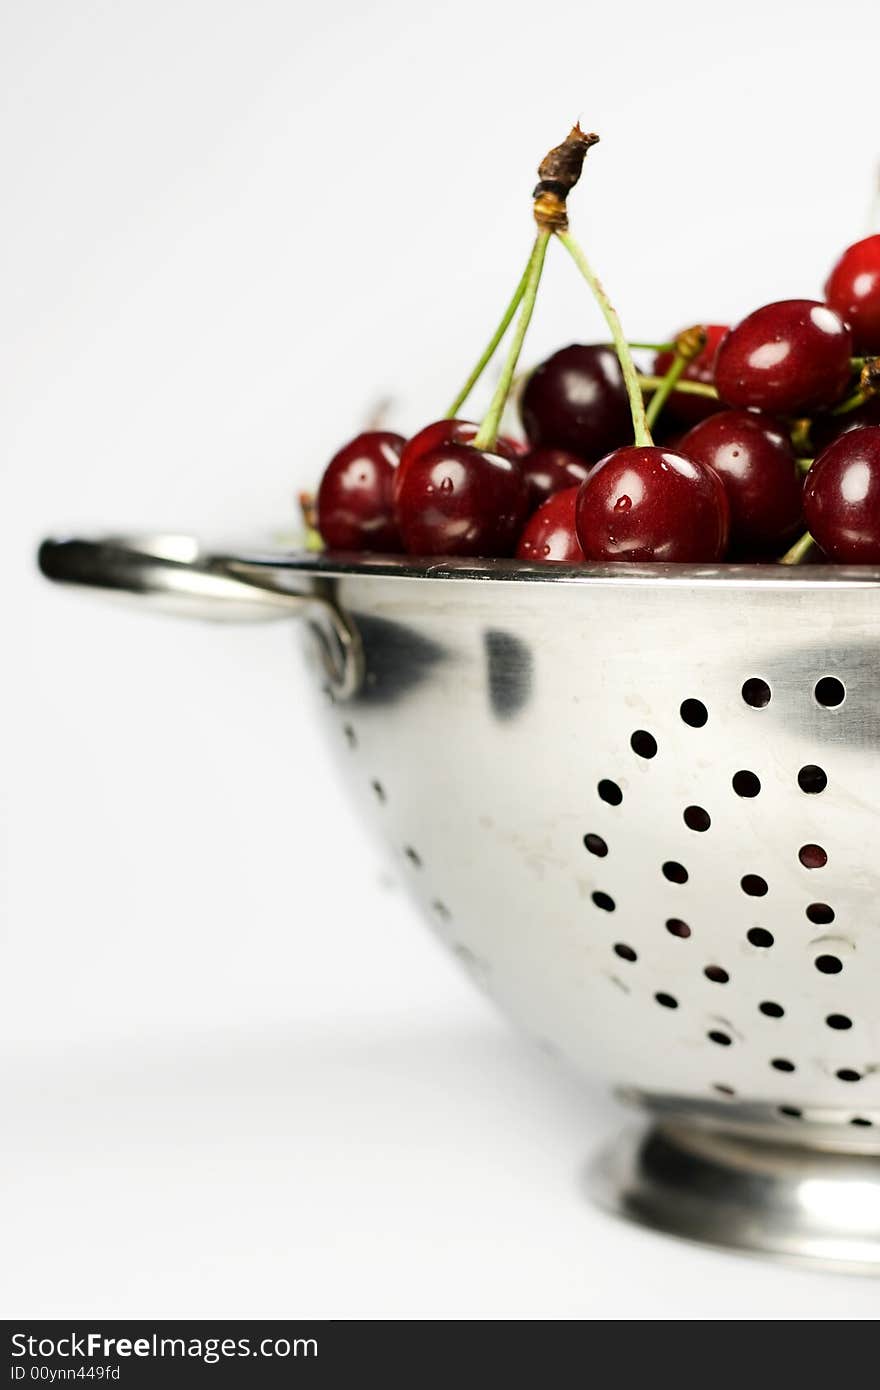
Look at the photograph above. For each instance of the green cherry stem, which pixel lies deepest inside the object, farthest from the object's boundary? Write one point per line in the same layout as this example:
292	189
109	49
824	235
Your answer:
641	430
800	436
491	346
687	388
804	464
665	389
799	551
858	397
653	347
869	385
488	431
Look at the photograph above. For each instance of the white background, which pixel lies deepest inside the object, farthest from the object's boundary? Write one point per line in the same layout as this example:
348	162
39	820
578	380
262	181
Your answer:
241	1079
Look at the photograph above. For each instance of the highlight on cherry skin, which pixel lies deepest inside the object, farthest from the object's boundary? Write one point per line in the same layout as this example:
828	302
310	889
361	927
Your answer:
767	433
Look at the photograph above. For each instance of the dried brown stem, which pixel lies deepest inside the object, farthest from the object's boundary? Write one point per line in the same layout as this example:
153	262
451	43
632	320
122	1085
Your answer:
558	173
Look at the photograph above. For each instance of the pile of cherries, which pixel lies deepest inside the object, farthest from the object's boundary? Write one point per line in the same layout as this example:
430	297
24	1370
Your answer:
782	443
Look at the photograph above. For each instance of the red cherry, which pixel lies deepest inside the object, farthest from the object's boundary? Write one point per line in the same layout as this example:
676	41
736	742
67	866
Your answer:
550	470
826	428
449	431
441	432
354	505
842	498
550	535
457	500
511	448
577	400
685	409
790	357
754	459
853	289
647	503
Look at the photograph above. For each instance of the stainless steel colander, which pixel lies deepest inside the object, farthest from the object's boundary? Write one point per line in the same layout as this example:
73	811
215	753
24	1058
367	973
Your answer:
642	807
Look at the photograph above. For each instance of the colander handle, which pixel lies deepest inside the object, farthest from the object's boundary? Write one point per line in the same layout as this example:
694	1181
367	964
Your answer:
176	574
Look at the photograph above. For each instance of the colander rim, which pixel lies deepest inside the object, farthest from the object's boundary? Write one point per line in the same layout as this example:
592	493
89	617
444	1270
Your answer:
753	576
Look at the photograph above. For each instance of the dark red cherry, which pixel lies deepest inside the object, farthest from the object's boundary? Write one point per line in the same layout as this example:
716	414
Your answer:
550	470
576	400
824	429
446	432
853	289
842	498
649	504
457	500
685	409
550	535
754	459
511	448
791	357
354	505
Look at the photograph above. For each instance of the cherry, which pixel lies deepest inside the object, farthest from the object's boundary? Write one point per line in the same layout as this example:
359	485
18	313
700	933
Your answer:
842	498
446	432
754	459
550	470
354	504
824	429
550	535
791	357
577	400
646	503
457	500
510	448
684	408
853	289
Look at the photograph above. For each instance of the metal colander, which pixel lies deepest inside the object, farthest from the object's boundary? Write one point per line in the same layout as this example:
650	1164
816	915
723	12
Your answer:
640	805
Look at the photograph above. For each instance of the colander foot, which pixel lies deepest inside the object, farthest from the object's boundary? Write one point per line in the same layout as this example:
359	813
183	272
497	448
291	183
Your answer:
751	1195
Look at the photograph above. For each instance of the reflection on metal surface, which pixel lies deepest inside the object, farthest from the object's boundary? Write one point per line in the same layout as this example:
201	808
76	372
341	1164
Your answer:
400	658
509	674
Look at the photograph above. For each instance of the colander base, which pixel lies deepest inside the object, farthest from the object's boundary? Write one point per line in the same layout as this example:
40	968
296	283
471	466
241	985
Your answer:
762	1198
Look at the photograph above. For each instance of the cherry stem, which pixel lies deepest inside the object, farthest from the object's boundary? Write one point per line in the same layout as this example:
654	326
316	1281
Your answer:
687	388
665	389
858	397
377	418
489	351
653	347
805	464
869	385
488	431
799	551
641	430
800	436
